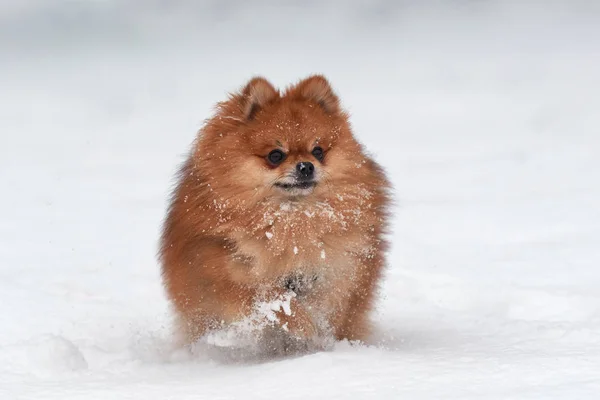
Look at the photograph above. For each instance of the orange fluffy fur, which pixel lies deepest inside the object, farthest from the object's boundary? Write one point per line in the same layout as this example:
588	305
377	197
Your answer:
233	238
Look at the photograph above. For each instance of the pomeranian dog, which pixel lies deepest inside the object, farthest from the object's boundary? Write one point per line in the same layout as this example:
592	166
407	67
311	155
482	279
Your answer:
278	209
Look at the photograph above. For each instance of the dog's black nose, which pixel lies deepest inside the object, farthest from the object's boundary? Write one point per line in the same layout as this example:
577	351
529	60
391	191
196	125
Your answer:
306	170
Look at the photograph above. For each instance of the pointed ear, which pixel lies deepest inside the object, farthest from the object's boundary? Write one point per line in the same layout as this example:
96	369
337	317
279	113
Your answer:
317	89
255	95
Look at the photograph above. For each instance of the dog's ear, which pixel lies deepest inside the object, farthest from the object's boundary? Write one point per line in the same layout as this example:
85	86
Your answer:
257	94
318	90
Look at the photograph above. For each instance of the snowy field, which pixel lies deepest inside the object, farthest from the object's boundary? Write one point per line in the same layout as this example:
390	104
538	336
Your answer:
485	114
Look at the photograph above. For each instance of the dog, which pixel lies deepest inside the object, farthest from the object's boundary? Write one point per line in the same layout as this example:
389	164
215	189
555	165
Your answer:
277	208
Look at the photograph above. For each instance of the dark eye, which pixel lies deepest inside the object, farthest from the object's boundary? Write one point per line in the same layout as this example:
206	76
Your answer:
275	157
318	153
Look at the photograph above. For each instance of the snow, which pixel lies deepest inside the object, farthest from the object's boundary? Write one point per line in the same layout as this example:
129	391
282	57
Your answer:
484	114
243	336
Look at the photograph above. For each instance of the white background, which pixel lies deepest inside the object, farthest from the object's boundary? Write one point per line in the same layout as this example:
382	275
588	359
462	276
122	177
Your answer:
485	114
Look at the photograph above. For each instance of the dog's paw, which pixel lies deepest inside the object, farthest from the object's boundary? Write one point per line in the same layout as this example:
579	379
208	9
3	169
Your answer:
285	312
296	321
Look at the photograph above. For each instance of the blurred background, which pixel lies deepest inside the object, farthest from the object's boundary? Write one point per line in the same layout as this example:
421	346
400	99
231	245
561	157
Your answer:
484	113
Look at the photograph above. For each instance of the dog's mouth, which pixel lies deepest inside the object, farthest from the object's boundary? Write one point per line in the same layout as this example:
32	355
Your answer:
296	185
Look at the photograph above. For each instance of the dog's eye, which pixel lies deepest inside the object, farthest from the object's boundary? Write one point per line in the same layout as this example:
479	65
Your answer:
275	157
318	153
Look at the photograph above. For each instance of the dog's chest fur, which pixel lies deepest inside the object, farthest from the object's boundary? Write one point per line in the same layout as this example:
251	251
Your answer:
300	239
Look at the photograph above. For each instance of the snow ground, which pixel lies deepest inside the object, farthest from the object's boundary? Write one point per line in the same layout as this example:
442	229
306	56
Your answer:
484	113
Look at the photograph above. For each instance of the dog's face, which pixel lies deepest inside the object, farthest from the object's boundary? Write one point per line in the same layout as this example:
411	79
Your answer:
294	146
298	174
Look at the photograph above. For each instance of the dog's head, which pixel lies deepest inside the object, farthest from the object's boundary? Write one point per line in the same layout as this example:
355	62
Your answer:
292	145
